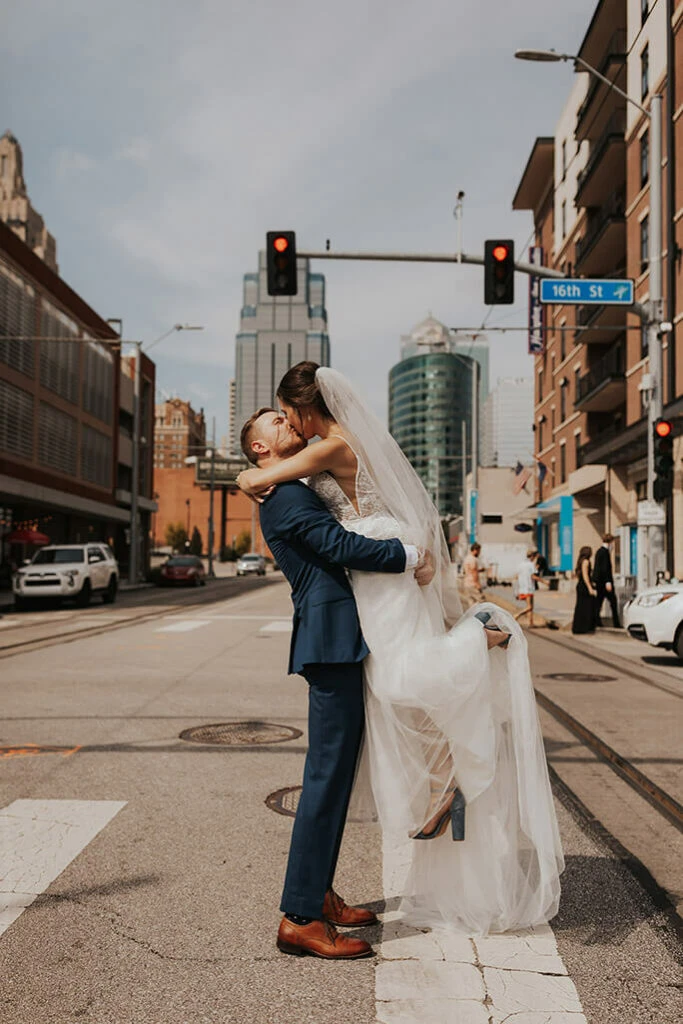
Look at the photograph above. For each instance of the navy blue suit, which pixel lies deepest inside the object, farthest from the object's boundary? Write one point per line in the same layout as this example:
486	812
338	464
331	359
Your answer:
328	648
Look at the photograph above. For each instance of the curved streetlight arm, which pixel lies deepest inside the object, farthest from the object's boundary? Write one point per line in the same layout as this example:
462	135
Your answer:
551	56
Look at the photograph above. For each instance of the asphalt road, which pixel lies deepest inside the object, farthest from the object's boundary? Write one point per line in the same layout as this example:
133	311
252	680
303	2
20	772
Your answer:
168	914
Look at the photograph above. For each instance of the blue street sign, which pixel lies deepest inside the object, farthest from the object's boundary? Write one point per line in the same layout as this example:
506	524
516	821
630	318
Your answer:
585	292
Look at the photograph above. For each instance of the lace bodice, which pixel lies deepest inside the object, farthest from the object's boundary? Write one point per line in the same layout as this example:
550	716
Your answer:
369	502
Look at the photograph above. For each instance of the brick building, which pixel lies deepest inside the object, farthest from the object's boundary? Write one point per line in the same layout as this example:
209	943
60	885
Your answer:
179	432
588	189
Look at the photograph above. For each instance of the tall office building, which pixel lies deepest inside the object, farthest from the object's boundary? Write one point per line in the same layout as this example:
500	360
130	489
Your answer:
474	346
430	334
430	396
507	423
275	333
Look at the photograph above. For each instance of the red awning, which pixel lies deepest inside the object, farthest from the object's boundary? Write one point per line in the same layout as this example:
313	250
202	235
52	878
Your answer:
26	537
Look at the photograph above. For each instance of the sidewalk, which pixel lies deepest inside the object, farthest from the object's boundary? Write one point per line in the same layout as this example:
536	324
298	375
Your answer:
607	642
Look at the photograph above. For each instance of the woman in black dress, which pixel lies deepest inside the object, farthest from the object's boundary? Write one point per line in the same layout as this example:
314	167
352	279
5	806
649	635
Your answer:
584	610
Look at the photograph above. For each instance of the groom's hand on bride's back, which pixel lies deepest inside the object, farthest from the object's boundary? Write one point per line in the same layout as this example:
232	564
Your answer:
425	569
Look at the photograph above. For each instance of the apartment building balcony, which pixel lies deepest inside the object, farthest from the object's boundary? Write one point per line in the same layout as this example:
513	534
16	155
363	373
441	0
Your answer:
615	445
602	246
605	170
599	324
607	54
603	388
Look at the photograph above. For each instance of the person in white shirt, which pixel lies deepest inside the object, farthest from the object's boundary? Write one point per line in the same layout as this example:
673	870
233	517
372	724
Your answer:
526	585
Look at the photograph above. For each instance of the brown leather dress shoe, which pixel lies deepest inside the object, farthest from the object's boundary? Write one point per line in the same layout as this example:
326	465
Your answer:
319	938
336	911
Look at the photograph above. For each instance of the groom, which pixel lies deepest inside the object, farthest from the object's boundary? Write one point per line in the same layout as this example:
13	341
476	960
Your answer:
327	649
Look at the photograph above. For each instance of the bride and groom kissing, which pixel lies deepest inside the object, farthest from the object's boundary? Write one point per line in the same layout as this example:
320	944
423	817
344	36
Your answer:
422	716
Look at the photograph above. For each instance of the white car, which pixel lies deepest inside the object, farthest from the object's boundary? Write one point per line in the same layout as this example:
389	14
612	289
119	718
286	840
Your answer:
68	571
655	615
251	565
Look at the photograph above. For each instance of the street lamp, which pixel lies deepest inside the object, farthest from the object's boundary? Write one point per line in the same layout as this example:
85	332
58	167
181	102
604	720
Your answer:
653	317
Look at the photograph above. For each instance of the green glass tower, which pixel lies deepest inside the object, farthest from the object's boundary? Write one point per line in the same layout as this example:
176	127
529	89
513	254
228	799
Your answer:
430	396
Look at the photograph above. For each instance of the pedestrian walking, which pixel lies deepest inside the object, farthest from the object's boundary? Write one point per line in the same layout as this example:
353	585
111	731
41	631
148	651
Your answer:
603	581
584	609
472	592
526	580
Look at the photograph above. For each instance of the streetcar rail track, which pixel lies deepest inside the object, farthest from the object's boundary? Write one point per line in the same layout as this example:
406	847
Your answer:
662	801
50	640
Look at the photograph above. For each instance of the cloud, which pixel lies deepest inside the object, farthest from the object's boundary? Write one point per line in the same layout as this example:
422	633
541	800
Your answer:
161	141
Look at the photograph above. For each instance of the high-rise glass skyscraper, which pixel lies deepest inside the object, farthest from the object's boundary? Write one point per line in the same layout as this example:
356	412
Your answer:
430	396
275	333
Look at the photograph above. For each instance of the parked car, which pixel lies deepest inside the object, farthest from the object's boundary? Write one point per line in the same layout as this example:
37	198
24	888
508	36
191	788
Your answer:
184	569
66	571
655	616
251	565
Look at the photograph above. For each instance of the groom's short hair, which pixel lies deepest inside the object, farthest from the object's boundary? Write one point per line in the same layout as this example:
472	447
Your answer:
247	434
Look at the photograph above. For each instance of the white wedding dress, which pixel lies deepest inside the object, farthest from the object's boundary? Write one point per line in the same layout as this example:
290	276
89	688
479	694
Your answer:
442	709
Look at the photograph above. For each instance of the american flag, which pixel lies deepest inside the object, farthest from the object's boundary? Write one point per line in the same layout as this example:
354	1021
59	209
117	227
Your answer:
522	474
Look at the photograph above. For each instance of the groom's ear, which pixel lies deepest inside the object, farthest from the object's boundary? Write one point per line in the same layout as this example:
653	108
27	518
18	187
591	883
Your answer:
260	449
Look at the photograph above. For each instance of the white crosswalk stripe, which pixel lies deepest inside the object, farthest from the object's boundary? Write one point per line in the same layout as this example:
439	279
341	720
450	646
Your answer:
441	977
38	840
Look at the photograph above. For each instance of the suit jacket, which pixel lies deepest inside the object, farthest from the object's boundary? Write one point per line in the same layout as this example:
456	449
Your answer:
602	570
312	549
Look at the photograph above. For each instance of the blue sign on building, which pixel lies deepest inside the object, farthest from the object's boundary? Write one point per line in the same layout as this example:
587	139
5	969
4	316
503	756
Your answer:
587	292
474	495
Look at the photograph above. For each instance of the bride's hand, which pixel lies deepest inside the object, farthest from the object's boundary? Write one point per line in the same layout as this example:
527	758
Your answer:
248	481
424	573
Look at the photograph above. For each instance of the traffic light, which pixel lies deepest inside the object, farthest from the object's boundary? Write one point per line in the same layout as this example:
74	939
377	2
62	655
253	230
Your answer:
664	460
499	272
281	262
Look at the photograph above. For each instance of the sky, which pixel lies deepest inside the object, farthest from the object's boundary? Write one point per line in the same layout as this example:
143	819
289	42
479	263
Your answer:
162	140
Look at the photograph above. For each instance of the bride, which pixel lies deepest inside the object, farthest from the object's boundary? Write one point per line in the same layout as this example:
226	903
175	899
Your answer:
453	744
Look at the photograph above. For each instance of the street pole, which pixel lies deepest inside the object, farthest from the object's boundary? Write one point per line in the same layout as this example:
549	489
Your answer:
135	482
212	481
656	535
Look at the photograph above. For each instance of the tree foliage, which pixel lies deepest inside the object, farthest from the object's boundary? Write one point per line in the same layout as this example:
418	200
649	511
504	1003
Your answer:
243	543
176	536
196	542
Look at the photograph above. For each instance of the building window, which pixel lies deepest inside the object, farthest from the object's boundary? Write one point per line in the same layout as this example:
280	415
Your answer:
563	347
540	383
644	10
577	451
492	519
644	158
644	341
577	378
564	218
563	463
564	159
644	243
645	72
563	403
540	435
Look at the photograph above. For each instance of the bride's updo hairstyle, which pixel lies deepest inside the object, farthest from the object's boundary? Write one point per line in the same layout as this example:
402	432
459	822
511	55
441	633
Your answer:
299	389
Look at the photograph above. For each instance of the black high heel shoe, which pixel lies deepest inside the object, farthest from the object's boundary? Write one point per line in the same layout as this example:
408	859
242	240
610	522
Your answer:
456	813
484	618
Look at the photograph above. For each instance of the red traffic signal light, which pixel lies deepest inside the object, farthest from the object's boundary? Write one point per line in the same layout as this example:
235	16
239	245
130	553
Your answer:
281	262
663	428
663	459
499	272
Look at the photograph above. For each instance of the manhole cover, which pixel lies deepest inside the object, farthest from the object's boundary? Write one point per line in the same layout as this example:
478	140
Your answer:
285	801
240	734
579	677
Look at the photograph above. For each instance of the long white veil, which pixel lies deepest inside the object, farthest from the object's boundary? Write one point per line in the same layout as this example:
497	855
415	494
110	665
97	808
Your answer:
441	709
396	482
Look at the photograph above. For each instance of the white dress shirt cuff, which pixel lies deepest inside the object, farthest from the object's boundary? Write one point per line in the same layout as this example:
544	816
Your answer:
412	556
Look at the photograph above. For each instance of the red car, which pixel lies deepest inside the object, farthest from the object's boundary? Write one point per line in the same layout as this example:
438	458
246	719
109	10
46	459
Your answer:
186	569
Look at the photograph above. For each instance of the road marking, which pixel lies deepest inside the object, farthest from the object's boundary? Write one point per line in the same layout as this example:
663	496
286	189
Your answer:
183	626
38	840
277	627
440	976
247	618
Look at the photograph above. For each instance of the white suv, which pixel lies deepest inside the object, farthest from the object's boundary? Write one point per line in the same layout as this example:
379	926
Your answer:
655	615
68	571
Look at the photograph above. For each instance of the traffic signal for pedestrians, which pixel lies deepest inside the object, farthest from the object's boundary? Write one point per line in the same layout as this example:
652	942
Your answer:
499	272
281	262
664	459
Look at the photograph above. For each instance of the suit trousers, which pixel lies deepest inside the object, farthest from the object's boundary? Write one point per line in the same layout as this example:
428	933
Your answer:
603	593
336	718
